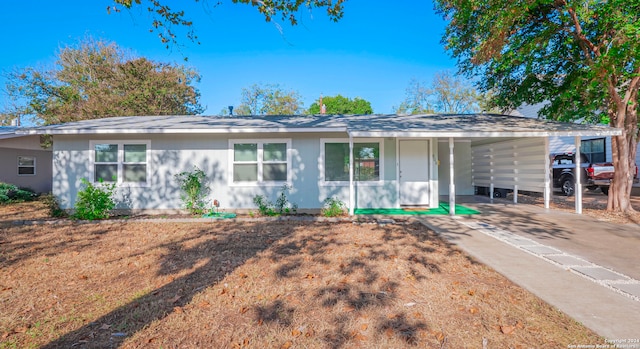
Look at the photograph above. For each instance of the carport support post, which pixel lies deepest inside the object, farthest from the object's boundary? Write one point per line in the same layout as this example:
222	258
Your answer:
578	176
351	191
452	184
547	174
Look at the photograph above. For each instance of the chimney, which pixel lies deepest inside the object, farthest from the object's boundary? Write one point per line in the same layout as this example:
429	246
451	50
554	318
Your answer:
323	108
230	110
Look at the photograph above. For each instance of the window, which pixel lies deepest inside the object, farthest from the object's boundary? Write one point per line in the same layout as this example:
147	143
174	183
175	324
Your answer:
594	149
26	165
260	162
120	162
366	161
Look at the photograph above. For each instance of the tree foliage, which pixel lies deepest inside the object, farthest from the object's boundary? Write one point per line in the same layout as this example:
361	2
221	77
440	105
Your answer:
342	105
269	99
447	94
96	79
583	56
168	21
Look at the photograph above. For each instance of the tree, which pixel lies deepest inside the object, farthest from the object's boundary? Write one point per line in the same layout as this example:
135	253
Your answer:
269	99
581	56
342	105
417	100
96	79
447	94
165	20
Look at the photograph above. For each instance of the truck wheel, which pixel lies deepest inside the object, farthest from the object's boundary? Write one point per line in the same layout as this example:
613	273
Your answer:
605	190
499	193
568	187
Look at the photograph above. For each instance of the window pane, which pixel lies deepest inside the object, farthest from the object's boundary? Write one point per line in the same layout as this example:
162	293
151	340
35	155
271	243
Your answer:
366	170
366	151
597	145
275	152
106	152
366	161
108	173
135	153
26	170
336	161
135	173
245	172
245	152
26	161
274	172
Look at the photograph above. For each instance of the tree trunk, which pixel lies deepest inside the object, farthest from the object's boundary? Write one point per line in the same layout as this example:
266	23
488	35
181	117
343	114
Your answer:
623	153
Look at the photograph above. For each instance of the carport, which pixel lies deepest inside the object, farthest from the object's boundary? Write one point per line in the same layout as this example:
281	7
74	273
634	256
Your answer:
497	151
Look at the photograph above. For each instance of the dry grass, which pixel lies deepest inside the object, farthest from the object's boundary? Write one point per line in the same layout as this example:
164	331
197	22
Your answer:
258	285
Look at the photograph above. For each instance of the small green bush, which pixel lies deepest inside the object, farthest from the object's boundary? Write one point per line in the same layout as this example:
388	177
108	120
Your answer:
53	205
95	201
265	207
282	205
192	183
333	207
10	193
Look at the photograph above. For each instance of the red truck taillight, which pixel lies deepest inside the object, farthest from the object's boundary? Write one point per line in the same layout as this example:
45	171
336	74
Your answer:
590	171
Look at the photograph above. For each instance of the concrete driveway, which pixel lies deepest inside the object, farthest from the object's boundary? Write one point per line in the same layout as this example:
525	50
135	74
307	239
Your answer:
587	268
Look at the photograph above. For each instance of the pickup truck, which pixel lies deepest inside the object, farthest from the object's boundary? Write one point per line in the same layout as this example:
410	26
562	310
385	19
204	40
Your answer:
593	176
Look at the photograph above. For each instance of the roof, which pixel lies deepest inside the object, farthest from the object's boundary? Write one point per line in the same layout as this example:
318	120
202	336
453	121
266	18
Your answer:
431	125
8	132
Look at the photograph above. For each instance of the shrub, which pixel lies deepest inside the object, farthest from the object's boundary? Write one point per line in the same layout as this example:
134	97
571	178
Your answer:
265	207
282	205
11	193
53	205
194	190
95	201
333	207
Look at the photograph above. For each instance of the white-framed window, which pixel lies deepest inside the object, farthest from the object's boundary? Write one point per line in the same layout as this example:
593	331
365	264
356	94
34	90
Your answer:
260	162
595	149
367	161
26	165
120	161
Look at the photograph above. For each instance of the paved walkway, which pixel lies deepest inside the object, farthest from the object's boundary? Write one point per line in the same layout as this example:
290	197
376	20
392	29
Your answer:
587	268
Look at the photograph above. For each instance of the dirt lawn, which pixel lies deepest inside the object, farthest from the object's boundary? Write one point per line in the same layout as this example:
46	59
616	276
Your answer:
258	285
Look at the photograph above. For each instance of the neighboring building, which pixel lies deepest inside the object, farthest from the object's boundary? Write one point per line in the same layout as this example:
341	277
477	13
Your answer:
24	162
598	148
398	161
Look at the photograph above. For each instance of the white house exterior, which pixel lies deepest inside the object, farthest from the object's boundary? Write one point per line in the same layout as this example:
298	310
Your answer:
24	162
397	161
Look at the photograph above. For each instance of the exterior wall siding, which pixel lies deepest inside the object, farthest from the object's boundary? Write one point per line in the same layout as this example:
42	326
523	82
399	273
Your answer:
462	167
11	149
170	155
509	163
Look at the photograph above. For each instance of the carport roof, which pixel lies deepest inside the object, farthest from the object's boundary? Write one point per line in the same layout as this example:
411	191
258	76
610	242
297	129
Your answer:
432	125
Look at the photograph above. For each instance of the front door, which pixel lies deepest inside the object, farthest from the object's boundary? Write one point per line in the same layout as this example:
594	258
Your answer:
414	173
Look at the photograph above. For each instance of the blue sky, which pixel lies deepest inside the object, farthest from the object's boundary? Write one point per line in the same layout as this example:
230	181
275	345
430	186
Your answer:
371	53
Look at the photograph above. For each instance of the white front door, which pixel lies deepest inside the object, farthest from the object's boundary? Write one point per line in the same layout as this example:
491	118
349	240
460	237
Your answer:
414	173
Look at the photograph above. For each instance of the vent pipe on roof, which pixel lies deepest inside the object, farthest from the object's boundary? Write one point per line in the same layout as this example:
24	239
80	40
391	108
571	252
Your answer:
230	110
